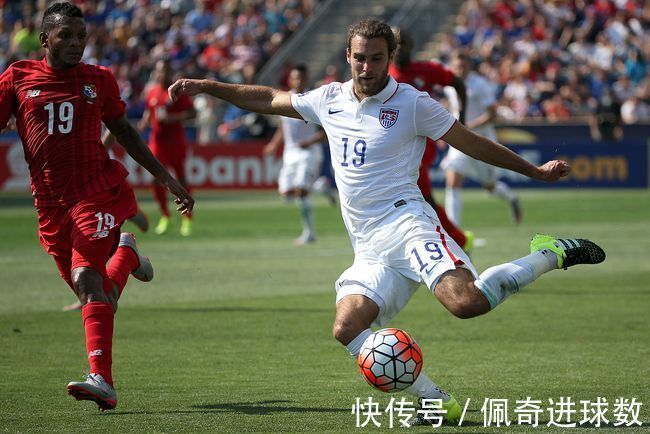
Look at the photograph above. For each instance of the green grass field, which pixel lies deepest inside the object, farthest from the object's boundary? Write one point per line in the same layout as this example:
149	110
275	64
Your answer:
234	333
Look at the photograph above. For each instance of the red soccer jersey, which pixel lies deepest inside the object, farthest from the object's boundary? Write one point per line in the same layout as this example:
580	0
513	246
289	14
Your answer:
165	137
59	113
423	75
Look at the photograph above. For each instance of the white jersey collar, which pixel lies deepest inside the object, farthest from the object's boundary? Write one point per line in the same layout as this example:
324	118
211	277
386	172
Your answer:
383	96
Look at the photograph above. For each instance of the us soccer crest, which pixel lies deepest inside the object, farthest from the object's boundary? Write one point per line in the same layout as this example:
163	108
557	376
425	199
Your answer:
90	91
388	117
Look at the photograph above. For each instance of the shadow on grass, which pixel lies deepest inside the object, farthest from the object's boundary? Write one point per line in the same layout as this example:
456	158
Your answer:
260	408
244	309
267	407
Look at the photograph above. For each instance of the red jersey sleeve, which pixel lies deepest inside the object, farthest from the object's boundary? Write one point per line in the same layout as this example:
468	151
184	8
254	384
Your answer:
7	97
439	74
113	107
185	103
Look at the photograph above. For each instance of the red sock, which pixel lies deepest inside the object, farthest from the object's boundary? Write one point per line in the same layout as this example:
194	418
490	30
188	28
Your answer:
160	194
450	228
98	322
122	263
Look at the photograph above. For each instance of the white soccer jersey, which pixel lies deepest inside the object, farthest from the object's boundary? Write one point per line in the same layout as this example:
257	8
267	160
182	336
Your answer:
295	131
376	145
481	94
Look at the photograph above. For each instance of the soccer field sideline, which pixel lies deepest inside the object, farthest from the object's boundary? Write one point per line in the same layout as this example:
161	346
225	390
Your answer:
240	311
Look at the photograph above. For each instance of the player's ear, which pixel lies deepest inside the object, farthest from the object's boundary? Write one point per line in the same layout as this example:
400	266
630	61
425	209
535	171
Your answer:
347	54
43	39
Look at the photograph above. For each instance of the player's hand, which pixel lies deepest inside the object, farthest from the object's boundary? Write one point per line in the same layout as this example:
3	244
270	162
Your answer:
184	86
269	149
183	199
554	170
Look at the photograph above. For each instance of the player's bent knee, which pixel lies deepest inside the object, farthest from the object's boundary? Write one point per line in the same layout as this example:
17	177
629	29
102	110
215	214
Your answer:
354	314
457	293
88	284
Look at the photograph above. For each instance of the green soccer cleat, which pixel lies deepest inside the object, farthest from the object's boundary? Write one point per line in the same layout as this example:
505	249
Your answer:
452	413
569	251
186	227
162	226
469	242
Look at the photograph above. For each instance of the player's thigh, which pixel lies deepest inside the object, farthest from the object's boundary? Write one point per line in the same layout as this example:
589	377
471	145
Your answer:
428	252
304	173
96	226
388	289
177	163
456	161
486	175
54	227
287	178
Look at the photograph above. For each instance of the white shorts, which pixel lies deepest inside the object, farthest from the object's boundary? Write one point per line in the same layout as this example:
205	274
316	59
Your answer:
299	174
469	167
410	247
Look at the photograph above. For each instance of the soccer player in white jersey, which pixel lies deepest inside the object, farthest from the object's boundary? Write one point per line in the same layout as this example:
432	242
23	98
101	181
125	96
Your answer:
376	130
480	113
301	159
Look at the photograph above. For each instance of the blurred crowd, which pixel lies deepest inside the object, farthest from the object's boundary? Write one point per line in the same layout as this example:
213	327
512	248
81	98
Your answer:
560	59
222	39
551	59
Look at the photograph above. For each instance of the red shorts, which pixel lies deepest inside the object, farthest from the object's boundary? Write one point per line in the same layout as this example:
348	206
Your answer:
86	233
173	158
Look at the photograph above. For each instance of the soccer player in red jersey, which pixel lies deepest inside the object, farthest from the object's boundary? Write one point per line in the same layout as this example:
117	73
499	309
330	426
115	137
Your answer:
81	194
167	137
425	76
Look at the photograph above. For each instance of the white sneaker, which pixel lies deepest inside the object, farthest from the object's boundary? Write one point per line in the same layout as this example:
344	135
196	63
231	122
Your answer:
304	239
144	272
95	388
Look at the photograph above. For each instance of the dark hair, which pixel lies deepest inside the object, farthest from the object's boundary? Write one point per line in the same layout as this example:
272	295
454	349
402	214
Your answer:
372	28
64	9
301	67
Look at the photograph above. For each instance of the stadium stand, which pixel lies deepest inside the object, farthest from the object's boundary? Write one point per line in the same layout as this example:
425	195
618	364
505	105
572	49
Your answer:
552	59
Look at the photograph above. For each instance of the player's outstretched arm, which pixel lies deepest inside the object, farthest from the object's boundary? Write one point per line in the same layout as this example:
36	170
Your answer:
131	140
258	99
484	149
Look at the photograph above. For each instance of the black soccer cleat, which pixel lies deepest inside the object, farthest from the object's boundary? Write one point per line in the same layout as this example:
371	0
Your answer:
569	251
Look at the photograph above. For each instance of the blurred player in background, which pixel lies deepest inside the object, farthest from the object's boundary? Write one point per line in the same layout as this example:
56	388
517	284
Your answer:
81	195
376	130
301	159
480	112
425	76
167	138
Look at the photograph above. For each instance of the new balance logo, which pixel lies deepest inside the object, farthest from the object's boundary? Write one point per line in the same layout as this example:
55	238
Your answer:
100	234
95	353
332	111
32	93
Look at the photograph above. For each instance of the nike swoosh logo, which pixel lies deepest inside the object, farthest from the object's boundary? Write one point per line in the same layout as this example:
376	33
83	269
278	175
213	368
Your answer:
333	111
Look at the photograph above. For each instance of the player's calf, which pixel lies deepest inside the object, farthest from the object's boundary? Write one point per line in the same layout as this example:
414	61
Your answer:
456	291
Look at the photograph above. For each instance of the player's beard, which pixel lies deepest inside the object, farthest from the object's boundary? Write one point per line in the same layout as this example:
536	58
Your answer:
373	86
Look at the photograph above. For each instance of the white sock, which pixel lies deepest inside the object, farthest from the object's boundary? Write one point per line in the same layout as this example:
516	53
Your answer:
503	191
453	205
423	387
306	216
499	282
354	347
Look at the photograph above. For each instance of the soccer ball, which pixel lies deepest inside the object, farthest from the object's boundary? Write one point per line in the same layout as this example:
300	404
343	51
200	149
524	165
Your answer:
390	360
